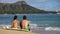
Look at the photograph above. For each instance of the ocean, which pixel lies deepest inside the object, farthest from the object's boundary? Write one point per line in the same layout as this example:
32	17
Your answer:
40	23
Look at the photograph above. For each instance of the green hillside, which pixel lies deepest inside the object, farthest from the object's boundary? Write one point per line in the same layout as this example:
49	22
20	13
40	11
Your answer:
20	7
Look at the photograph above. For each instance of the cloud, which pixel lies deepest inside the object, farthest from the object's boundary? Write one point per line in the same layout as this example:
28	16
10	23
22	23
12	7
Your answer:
45	4
40	0
37	1
45	1
9	1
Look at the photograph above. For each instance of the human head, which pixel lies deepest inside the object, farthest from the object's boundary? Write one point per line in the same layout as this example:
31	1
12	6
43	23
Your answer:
15	17
24	17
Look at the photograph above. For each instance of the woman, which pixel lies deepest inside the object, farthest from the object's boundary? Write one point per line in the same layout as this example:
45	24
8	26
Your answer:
15	22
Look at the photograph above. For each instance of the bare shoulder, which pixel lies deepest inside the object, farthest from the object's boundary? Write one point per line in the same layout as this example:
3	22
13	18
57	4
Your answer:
12	20
25	21
28	21
17	20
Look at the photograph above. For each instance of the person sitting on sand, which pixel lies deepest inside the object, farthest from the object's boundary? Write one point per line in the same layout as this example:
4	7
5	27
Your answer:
25	24
15	22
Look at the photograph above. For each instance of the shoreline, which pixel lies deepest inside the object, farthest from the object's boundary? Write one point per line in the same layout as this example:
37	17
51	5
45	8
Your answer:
5	31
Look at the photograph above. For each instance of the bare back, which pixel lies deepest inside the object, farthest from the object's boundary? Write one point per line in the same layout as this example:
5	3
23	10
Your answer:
15	23
25	23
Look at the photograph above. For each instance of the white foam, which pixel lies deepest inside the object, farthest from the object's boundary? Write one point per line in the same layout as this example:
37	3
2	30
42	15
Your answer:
52	29
5	26
33	25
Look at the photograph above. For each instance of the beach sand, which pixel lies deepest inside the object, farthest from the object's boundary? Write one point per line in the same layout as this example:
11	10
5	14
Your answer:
4	31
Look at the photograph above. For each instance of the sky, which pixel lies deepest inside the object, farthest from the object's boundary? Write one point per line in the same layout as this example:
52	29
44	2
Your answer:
48	5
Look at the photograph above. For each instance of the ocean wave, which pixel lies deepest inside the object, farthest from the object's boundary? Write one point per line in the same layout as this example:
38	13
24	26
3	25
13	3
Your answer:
35	26
52	28
4	26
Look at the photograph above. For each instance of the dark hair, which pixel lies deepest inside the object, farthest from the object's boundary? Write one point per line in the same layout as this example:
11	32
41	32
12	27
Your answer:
24	17
15	17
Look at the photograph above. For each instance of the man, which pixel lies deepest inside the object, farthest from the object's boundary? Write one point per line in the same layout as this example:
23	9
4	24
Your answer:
25	24
15	23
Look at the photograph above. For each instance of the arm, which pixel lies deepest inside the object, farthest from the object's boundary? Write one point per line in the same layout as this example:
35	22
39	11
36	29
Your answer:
28	22
12	24
18	23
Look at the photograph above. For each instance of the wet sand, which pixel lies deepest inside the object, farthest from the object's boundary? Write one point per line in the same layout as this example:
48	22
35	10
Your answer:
4	31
